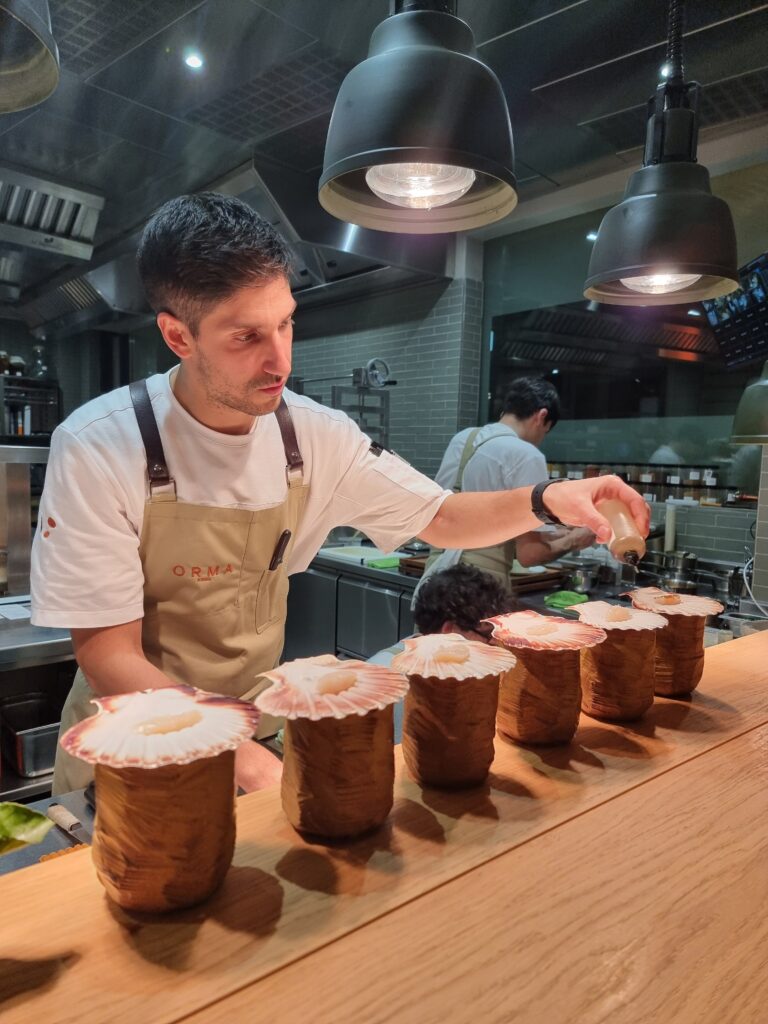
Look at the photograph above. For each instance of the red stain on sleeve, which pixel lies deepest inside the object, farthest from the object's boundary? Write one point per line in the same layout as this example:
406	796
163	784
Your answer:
51	522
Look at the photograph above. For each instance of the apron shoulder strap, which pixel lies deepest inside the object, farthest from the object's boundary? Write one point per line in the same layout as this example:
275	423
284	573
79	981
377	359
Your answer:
157	468
294	464
467	454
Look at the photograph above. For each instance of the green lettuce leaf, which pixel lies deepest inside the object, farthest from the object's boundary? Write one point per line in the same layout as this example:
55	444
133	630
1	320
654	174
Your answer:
20	825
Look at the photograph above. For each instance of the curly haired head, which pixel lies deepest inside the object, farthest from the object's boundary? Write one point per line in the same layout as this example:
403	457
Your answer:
462	595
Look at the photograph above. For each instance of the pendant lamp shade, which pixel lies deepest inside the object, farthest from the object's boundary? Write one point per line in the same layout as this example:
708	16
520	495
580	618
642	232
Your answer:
750	424
420	140
669	240
668	227
29	57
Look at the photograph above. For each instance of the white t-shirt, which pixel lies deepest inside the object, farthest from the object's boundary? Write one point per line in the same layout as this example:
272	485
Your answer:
500	461
87	571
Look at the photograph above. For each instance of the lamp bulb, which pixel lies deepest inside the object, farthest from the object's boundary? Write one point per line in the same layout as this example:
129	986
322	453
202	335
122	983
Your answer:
661	283
419	186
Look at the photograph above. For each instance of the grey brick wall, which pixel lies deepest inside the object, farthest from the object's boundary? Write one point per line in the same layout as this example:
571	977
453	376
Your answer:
429	336
716	534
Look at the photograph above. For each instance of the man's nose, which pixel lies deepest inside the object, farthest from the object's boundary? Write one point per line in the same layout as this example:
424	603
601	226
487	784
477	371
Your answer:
278	360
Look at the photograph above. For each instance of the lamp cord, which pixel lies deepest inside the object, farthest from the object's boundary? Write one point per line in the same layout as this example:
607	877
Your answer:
675	26
747	567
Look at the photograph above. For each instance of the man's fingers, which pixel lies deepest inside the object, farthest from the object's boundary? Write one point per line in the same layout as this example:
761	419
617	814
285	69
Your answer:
598	524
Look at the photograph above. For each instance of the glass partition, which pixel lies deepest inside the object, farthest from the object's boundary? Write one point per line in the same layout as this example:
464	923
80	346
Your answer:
644	393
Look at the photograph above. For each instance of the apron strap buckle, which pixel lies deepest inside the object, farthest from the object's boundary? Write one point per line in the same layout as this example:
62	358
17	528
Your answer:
163	488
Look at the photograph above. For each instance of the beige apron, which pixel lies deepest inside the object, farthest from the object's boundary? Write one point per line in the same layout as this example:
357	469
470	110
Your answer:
214	611
496	560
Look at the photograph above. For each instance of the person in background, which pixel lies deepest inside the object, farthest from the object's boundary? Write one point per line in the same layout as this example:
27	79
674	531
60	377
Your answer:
455	600
502	455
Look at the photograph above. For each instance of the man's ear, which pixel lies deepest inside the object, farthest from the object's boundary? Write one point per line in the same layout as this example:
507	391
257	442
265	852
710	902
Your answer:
449	627
176	334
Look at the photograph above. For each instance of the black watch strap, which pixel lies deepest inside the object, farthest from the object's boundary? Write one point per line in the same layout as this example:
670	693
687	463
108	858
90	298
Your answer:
538	507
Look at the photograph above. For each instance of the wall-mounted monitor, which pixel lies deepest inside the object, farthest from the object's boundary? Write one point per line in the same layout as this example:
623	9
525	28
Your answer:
739	321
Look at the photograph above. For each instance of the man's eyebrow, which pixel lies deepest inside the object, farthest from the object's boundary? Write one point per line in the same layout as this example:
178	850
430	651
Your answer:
233	325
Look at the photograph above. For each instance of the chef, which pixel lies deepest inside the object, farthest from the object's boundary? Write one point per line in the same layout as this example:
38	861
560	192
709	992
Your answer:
174	510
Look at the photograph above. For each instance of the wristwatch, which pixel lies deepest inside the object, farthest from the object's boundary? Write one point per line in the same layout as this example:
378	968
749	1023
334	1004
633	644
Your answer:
538	507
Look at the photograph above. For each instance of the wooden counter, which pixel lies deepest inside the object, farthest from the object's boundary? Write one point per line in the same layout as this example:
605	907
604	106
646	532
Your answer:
622	878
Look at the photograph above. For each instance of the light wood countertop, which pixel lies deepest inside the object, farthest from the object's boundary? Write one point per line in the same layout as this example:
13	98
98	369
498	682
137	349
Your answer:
622	878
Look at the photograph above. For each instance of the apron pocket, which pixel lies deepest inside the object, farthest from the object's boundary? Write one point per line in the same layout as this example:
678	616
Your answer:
272	598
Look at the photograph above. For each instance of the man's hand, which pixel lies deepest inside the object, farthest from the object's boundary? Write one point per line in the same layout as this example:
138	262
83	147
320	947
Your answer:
574	503
256	767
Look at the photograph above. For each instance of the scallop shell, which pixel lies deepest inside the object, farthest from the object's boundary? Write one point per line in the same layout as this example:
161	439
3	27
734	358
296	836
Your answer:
652	599
612	617
544	632
451	656
326	687
151	728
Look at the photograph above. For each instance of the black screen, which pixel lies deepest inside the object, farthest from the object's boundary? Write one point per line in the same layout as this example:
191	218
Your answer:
739	321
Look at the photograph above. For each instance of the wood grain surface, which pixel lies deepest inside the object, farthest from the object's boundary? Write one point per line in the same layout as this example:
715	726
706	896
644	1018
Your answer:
69	955
648	910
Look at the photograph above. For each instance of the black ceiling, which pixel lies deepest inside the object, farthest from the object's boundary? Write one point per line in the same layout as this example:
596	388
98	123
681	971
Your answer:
131	121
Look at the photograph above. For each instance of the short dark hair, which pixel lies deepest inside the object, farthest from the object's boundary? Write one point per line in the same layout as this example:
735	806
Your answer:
462	594
527	395
197	250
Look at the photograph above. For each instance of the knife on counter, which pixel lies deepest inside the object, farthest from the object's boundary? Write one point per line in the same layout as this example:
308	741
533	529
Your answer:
69	824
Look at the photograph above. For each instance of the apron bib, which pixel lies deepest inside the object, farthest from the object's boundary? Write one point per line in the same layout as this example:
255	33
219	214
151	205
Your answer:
214	599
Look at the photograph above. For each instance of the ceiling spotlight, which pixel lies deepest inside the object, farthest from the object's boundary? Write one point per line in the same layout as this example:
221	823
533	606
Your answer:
592	236
665	70
669	239
420	140
694	312
194	60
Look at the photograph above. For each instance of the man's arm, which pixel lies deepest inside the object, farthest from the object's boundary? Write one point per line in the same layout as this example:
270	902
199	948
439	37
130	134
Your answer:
480	519
113	662
537	547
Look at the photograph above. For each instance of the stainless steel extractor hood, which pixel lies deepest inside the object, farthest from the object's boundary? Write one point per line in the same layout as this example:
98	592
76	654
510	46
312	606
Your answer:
42	222
107	297
333	261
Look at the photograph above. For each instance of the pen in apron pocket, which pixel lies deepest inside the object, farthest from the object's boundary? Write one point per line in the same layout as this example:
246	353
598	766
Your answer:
280	547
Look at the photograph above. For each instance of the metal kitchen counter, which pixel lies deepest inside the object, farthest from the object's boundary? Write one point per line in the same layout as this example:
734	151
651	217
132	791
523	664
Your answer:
388	577
23	645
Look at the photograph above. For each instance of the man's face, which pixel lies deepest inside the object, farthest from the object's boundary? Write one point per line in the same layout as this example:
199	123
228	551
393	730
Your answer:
240	357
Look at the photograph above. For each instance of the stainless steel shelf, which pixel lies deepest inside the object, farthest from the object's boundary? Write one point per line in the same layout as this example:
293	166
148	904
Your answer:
14	787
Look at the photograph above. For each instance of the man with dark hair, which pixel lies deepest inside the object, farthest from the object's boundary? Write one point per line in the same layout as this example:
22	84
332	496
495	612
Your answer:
174	509
456	600
501	456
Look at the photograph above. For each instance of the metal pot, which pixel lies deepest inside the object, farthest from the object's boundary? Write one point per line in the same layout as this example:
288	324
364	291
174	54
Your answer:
680	562
584	578
678	584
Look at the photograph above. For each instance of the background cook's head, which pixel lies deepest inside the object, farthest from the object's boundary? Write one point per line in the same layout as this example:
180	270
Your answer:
531	408
217	276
